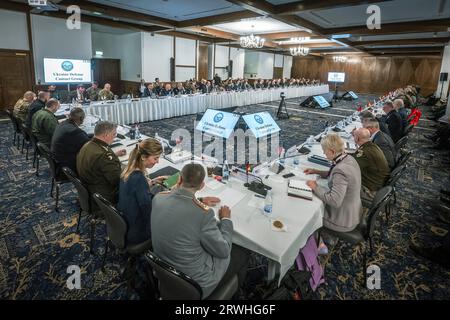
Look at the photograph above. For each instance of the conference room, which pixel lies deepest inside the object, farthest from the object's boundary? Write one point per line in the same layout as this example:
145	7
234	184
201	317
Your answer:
224	150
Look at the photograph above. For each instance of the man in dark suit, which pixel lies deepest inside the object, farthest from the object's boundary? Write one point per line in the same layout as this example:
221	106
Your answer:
68	139
393	121
367	116
383	141
217	80
38	104
150	91
78	95
167	91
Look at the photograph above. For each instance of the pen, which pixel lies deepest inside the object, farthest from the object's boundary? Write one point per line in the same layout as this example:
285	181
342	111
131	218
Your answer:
260	196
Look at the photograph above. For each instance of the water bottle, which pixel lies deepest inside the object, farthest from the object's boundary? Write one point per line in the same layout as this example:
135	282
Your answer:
268	203
137	133
225	171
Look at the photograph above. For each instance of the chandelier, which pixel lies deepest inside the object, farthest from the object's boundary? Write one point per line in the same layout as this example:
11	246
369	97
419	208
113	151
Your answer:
339	59
297	51
252	41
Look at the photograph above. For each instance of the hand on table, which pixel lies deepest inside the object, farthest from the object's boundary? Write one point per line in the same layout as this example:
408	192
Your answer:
224	212
210	201
121	153
310	171
312	184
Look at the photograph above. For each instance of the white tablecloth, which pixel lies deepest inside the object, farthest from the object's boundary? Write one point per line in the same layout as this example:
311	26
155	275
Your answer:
143	110
252	229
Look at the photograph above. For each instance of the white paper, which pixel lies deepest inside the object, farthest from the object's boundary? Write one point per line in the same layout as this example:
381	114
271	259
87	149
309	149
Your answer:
214	184
230	197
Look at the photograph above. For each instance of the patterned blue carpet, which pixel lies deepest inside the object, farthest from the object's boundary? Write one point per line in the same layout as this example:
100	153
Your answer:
37	244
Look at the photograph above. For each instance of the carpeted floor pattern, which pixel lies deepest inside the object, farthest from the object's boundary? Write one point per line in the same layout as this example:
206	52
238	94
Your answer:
38	244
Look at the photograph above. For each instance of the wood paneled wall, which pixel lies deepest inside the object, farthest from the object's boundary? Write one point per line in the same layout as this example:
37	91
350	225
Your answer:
371	74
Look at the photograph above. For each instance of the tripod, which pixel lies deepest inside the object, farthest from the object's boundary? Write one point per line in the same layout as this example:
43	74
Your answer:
280	113
336	94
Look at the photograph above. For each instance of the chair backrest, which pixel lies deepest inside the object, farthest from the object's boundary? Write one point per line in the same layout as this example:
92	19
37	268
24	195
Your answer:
379	203
173	284
404	158
395	175
116	226
401	143
45	152
408	129
83	193
29	134
13	120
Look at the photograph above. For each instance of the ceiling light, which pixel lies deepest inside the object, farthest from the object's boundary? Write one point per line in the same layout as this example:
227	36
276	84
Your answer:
99	53
297	51
252	41
339	59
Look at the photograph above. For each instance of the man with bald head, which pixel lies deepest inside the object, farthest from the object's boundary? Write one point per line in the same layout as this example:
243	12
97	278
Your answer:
106	93
373	164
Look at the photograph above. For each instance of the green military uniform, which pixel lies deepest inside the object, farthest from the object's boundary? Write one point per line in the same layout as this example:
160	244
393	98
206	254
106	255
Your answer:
99	168
43	125
374	169
21	109
105	95
92	94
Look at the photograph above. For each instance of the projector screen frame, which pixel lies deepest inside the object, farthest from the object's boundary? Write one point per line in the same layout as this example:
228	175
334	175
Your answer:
68	83
334	72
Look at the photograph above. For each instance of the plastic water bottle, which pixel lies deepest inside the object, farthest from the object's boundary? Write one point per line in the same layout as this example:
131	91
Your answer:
225	171
137	133
268	203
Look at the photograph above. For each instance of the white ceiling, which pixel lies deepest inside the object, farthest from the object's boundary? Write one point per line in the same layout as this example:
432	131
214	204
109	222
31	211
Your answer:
175	9
425	35
260	25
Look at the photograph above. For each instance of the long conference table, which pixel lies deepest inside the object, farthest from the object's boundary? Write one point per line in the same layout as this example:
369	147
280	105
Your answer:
130	111
253	229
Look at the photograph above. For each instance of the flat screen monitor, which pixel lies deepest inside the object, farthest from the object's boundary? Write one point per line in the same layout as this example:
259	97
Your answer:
261	124
67	71
321	101
218	123
353	95
336	77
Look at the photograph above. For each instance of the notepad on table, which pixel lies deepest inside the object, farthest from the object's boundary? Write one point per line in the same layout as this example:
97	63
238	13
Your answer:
298	188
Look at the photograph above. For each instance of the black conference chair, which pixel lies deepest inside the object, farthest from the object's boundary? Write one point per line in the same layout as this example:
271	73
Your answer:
117	228
57	178
17	128
175	285
363	233
401	143
84	198
396	174
404	158
32	142
408	129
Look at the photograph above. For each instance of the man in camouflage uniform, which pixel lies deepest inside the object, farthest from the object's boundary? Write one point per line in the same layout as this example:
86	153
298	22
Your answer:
93	91
106	93
373	164
97	164
22	105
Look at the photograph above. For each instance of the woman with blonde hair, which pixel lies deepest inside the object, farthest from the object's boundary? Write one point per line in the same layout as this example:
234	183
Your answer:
135	199
343	208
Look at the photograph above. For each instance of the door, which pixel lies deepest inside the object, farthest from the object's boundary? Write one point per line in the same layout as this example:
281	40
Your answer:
15	76
202	61
108	71
277	73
